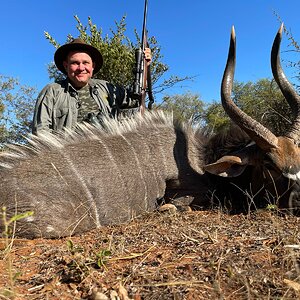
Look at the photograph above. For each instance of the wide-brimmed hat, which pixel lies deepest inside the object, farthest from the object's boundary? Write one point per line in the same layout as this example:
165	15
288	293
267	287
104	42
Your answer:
77	45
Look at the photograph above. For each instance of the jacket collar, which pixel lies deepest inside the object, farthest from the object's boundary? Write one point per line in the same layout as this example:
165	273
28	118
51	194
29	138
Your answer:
69	88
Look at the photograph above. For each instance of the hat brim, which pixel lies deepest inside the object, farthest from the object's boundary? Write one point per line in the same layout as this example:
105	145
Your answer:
61	55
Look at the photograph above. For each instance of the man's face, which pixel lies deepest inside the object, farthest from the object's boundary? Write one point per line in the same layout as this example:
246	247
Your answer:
79	67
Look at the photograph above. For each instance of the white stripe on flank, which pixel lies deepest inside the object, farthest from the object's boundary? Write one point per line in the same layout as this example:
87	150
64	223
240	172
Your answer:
29	219
50	228
164	159
89	195
138	166
114	165
150	164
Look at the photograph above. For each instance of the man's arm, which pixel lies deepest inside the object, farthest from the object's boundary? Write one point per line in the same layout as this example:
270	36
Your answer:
42	117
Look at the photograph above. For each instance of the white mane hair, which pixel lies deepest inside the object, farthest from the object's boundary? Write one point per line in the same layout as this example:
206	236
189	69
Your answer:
47	141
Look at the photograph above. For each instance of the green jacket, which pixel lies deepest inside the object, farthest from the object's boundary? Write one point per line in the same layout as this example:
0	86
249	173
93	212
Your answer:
57	104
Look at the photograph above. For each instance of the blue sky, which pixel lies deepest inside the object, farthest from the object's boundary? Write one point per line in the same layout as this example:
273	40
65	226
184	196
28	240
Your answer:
194	35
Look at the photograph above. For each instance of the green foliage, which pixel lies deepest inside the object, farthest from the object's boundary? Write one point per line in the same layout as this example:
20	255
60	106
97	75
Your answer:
103	257
215	117
16	109
272	207
8	223
118	53
264	101
81	262
295	47
73	248
185	107
261	100
8	237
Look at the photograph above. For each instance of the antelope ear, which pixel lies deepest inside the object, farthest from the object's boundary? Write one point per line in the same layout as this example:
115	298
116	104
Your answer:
227	166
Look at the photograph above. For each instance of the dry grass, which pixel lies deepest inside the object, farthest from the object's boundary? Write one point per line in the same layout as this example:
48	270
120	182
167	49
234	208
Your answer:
190	255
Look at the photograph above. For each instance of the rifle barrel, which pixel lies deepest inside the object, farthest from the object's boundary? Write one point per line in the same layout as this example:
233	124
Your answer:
144	24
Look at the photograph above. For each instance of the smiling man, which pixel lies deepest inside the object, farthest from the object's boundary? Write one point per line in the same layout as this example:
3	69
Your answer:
79	97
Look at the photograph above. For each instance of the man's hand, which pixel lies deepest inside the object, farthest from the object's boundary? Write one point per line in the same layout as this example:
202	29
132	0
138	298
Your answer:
148	56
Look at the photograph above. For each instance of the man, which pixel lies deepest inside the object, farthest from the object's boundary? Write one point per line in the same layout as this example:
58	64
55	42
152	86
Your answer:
79	97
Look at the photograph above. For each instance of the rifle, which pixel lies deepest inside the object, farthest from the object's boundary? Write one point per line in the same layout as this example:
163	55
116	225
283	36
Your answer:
142	74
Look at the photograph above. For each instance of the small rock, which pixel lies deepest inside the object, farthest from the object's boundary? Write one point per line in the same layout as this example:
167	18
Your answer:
98	296
114	295
168	208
